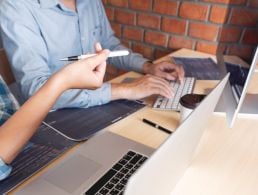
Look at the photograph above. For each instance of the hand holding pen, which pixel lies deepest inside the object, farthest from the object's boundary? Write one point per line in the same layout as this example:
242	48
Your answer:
111	55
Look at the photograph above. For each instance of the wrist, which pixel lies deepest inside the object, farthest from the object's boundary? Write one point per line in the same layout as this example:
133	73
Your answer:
146	67
58	83
119	91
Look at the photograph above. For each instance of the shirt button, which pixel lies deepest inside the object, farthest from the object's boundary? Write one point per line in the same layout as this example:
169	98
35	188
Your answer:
100	103
82	38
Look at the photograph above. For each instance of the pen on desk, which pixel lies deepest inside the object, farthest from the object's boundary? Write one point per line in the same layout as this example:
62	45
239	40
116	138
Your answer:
156	125
111	55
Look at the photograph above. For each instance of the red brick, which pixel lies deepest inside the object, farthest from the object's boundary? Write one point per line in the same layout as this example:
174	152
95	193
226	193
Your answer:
104	2
146	51
230	34
159	53
117	29
250	37
246	17
209	47
204	31
230	2
118	3
178	42
244	52
149	21
133	33
165	7
125	17
110	13
193	11
219	14
253	3
140	5
173	26
156	38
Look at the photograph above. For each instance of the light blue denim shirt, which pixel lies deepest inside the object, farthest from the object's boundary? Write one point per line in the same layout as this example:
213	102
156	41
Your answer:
37	33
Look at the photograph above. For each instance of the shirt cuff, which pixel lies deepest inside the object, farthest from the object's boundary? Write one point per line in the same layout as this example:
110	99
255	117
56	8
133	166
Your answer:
5	170
138	64
99	96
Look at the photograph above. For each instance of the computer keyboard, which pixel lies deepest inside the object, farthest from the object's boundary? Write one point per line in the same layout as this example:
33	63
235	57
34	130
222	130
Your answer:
186	87
45	146
113	182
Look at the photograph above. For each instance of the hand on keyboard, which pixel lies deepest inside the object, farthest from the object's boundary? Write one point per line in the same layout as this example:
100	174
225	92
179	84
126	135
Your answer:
143	87
180	89
167	70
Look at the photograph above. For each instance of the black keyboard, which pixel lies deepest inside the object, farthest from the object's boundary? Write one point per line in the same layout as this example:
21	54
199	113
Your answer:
113	182
45	146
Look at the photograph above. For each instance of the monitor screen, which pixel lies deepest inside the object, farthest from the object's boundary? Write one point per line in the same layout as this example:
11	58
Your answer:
235	97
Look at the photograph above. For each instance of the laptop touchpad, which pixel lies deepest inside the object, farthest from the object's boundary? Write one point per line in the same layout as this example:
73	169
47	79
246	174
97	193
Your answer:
72	173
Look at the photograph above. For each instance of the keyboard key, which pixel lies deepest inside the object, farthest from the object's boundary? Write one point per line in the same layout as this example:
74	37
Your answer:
104	191
109	185
117	166
131	153
180	89
135	159
123	161
101	182
119	186
114	192
116	178
124	170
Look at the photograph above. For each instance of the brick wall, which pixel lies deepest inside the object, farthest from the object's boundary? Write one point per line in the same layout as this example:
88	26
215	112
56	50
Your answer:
157	27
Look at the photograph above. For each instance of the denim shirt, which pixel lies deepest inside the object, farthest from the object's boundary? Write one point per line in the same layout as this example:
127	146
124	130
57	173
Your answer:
8	105
37	33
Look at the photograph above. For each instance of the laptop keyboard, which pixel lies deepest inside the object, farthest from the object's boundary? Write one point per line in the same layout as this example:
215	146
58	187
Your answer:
186	87
45	146
114	181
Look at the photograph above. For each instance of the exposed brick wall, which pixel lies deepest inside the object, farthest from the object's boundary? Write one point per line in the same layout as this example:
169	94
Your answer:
157	27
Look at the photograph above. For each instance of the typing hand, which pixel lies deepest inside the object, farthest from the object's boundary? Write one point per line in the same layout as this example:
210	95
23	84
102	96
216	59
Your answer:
166	70
142	87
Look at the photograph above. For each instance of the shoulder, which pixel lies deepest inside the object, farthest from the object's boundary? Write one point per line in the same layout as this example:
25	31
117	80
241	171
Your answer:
14	7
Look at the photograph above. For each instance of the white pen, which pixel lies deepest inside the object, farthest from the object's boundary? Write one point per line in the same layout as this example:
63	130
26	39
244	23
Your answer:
111	55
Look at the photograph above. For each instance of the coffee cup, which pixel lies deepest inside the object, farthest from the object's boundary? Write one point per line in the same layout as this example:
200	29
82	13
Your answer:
188	103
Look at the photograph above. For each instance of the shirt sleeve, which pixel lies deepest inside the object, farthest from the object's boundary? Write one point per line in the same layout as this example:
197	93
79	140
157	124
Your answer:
133	61
5	170
28	55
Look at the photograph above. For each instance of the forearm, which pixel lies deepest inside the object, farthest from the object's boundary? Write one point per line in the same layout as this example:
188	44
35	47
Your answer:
15	132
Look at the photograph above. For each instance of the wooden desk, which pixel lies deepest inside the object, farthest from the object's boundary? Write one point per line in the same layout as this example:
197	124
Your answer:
226	160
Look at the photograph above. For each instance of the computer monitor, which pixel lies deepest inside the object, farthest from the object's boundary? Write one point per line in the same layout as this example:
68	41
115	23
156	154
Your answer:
235	100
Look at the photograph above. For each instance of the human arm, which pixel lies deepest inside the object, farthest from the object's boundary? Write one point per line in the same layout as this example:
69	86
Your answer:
16	131
34	52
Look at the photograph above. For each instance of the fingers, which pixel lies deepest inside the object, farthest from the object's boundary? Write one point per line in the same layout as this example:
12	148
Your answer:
97	60
160	86
171	71
149	85
98	47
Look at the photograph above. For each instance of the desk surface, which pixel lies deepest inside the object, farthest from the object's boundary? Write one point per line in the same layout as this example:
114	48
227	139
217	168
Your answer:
226	160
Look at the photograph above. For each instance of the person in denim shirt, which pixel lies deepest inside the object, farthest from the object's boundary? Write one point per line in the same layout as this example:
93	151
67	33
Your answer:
17	125
36	34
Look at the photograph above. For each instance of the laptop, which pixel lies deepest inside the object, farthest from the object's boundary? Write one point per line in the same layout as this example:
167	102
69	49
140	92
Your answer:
100	165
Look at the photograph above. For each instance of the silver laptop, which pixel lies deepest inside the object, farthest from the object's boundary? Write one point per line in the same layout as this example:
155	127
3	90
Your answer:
104	164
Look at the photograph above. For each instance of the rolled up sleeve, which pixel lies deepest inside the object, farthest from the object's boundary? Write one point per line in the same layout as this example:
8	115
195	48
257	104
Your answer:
5	170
